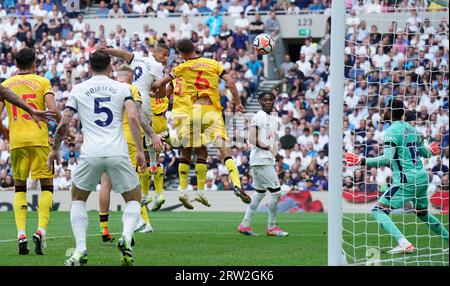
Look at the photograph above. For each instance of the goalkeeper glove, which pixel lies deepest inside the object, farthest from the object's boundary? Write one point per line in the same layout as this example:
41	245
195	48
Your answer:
352	159
434	148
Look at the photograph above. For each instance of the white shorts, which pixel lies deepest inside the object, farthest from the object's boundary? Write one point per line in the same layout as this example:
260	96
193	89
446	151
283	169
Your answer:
265	177
88	172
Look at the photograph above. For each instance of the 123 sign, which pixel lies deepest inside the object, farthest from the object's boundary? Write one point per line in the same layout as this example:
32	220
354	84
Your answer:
305	22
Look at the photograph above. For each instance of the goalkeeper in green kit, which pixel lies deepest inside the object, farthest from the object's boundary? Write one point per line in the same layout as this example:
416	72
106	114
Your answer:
402	151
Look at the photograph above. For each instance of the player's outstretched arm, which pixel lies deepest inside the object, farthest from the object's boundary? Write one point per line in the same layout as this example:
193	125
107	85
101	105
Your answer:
147	126
61	133
127	56
162	82
352	159
37	115
135	128
236	99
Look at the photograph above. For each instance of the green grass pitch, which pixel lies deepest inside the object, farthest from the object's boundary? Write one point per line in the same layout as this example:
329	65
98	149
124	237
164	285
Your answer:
208	238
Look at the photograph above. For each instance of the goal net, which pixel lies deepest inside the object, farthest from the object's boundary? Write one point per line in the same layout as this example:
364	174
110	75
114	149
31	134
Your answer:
396	49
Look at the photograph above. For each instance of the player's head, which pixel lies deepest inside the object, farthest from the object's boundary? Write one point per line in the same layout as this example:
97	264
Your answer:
161	53
100	62
394	110
267	101
25	59
125	74
186	48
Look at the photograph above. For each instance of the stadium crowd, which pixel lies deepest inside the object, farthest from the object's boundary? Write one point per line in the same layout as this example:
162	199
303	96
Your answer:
409	62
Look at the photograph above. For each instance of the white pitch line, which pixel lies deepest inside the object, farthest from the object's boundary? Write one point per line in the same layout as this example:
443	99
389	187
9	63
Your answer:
56	237
172	232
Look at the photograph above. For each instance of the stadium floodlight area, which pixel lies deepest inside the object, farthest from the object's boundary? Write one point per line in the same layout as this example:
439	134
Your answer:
401	53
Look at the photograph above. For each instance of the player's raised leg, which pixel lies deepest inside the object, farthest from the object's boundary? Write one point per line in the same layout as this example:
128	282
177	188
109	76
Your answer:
422	213
104	201
233	171
183	172
200	171
144	225
158	180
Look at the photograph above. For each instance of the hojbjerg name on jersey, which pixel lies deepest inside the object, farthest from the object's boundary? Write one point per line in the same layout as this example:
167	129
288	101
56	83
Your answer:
99	89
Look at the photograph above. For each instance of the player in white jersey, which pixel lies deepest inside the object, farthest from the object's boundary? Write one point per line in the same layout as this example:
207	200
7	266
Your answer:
263	135
146	70
100	103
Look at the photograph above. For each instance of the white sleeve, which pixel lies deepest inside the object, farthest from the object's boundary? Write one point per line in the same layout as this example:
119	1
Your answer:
135	56
72	102
127	94
255	121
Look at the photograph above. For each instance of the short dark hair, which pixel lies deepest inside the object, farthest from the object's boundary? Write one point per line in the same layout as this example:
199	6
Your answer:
25	58
185	46
100	60
397	108
162	47
264	93
410	115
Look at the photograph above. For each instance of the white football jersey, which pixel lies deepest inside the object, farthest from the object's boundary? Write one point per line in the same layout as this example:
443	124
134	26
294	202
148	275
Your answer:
146	70
267	130
99	102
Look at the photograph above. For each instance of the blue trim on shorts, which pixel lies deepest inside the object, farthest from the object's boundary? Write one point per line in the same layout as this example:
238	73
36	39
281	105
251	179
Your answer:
391	192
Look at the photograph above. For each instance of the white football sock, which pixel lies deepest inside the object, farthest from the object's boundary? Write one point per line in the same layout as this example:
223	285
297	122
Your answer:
42	230
21	232
79	221
273	208
403	242
256	200
130	219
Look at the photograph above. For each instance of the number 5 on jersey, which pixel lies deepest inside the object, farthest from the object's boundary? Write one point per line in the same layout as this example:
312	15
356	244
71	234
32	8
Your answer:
98	110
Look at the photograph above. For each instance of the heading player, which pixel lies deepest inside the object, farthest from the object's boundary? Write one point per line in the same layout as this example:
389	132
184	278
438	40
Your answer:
402	150
181	117
263	135
146	70
198	78
30	146
100	103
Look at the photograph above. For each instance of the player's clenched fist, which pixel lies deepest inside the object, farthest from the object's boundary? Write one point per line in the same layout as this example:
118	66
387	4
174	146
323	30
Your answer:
352	159
434	148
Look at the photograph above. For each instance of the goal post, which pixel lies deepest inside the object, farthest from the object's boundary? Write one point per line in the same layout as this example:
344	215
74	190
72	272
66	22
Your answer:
335	133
